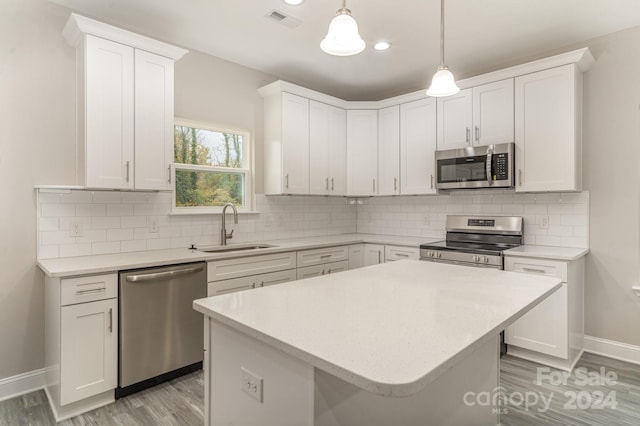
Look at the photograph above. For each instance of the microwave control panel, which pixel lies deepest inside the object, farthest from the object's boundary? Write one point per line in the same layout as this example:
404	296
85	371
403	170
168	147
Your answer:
499	166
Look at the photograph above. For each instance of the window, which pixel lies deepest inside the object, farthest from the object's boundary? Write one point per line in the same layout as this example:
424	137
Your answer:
212	167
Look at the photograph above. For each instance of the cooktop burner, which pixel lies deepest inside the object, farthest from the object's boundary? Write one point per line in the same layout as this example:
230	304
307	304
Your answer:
469	247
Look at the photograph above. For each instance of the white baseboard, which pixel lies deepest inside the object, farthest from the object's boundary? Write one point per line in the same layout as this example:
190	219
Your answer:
21	384
612	349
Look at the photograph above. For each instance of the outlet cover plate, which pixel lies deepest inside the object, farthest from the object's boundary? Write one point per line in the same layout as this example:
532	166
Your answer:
251	384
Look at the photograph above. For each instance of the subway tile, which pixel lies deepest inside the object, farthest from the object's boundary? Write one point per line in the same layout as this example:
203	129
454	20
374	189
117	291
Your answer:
135	198
105	222
48	198
159	244
66	223
48	252
577	242
73	250
134	245
57	210
547	240
105	247
574	220
48	224
77	197
133	221
120	234
90	210
107	197
119	210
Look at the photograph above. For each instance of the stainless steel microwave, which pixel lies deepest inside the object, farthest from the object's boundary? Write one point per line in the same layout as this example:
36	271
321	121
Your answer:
489	166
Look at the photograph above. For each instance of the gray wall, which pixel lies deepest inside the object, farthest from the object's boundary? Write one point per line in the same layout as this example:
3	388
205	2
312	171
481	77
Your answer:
37	114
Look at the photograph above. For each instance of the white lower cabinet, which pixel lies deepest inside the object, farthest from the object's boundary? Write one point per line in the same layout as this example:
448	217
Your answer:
356	256
552	333
81	343
393	253
373	254
324	269
250	282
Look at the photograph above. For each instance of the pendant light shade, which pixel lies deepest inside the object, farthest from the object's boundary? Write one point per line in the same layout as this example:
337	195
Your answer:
343	38
442	83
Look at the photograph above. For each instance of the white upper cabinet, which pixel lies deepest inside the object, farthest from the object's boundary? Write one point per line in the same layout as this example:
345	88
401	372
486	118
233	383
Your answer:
455	120
417	146
108	114
295	144
286	144
389	151
327	149
548	123
362	152
482	115
125	106
153	146
493	113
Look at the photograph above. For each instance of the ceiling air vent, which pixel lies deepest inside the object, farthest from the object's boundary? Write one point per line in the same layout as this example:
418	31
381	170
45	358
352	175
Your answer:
283	18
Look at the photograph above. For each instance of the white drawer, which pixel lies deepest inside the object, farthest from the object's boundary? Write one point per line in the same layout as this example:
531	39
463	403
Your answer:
392	253
554	268
324	269
324	255
241	267
88	289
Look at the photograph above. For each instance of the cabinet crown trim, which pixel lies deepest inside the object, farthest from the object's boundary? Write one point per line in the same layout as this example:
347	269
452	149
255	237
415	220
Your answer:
77	26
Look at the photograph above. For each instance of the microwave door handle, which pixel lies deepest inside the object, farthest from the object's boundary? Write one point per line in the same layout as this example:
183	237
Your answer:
489	163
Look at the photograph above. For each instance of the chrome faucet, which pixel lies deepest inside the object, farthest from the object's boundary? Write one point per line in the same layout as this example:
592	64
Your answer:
223	232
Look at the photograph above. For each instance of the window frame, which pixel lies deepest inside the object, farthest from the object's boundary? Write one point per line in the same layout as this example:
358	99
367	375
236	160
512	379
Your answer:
248	169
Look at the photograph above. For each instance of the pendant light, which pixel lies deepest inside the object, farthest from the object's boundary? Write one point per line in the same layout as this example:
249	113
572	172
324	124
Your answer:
443	83
343	38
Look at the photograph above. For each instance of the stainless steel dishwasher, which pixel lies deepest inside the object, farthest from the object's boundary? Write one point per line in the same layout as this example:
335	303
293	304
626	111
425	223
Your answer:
161	337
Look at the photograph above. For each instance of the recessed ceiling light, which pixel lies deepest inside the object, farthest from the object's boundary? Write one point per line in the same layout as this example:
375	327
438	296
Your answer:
382	45
293	2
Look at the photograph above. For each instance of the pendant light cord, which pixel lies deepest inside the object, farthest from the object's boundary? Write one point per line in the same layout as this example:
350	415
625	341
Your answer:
441	32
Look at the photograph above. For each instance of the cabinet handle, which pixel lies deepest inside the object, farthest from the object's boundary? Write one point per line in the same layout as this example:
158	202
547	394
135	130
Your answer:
329	271
322	272
468	136
91	290
326	183
332	184
127	170
261	283
477	134
534	270
110	320
431	181
286	181
325	256
374	185
253	285
379	257
519	177
402	254
395	184
169	168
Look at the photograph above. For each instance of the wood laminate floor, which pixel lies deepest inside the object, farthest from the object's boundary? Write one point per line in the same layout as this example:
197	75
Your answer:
553	400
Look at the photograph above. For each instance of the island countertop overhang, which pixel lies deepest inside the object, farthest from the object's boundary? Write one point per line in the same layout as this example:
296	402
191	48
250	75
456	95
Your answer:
390	329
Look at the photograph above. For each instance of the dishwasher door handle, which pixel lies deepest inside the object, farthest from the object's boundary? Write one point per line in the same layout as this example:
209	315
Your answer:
161	275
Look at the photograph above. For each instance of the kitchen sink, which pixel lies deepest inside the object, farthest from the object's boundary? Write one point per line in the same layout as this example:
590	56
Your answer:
239	247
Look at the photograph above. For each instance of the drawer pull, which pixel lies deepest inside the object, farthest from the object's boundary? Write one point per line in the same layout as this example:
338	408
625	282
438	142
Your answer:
325	256
91	290
534	270
402	255
110	320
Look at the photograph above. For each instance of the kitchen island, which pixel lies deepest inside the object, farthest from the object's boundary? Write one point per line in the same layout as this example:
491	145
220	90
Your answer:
401	343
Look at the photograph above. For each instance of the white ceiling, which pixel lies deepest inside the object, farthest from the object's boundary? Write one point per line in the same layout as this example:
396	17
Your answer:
481	35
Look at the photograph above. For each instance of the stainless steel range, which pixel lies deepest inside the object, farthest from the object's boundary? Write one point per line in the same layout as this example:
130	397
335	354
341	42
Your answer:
475	241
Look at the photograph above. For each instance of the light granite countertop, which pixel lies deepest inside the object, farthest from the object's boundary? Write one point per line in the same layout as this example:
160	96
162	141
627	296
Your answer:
83	265
546	252
389	329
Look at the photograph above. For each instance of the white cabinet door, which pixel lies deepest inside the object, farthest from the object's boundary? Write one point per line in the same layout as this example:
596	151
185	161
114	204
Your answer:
153	121
389	151
417	146
544	328
88	349
295	144
362	152
337	151
455	120
273	278
327	149
373	254
547	135
393	253
493	113
109	123
318	148
356	256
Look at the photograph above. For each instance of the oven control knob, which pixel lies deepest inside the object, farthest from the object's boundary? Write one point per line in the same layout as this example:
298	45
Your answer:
432	254
475	258
439	255
486	259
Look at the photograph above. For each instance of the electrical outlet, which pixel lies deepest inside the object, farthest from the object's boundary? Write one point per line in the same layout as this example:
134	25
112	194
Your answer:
75	229
154	226
251	384
544	222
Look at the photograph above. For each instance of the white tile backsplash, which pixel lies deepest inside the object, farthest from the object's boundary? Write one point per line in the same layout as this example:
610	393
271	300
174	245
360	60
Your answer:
114	222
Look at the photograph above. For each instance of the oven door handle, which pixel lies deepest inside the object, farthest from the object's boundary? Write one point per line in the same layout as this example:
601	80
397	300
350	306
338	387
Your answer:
163	275
489	163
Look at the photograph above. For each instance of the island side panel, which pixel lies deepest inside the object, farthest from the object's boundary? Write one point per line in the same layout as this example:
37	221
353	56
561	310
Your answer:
441	403
287	389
